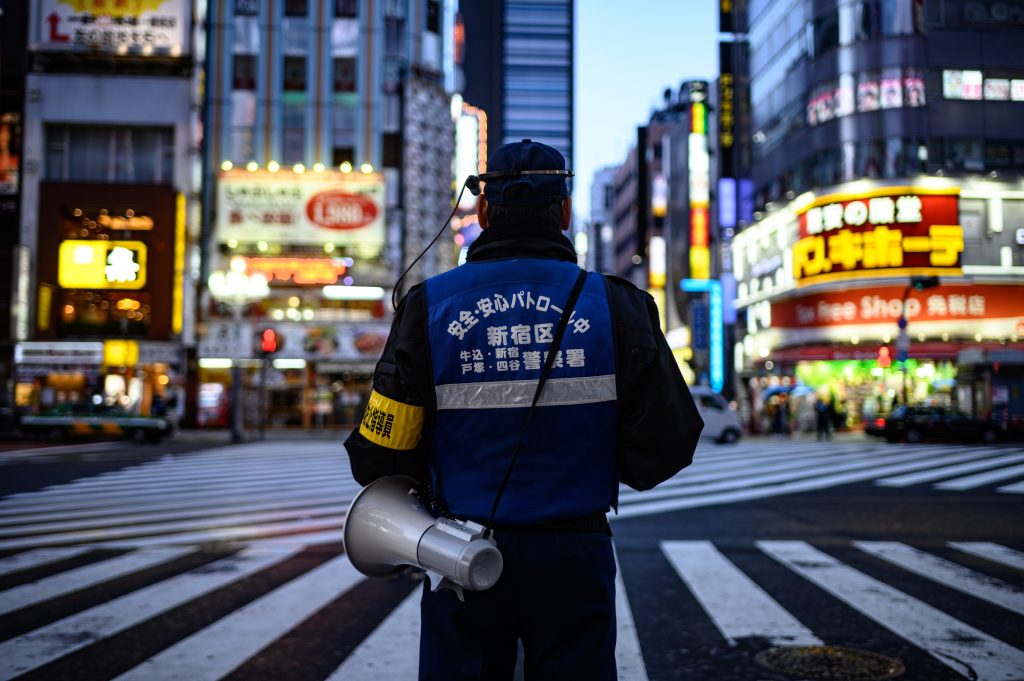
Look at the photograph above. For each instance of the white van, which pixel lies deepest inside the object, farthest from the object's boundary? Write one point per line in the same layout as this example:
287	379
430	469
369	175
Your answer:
721	423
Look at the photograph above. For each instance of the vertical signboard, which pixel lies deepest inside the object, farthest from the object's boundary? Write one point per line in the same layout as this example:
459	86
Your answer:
699	167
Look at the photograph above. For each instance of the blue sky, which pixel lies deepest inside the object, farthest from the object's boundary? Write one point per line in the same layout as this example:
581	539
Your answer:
627	53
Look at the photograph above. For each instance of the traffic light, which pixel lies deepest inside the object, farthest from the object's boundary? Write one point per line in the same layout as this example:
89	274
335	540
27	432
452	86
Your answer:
269	341
884	358
921	283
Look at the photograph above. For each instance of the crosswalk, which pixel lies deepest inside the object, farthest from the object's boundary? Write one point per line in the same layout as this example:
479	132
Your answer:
749	606
300	491
228	564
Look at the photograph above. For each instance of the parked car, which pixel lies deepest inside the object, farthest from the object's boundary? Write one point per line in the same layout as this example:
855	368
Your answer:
721	422
86	421
917	423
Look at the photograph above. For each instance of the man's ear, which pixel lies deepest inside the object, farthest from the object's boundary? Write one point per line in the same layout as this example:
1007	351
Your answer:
481	211
566	213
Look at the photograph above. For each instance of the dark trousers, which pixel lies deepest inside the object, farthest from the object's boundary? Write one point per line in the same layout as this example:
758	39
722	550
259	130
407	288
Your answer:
556	593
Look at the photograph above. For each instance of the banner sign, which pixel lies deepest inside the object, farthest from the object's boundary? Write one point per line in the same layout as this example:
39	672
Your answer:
126	27
343	341
343	209
885	304
893	231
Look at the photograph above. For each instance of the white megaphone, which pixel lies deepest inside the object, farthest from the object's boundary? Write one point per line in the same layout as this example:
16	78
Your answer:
388	527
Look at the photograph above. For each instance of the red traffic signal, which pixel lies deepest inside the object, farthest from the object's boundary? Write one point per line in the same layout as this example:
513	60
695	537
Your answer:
270	341
884	358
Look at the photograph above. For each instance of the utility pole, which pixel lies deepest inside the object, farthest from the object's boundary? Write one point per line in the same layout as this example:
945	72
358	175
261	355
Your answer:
903	337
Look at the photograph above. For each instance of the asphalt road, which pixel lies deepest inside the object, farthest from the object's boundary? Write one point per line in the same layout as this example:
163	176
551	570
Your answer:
191	560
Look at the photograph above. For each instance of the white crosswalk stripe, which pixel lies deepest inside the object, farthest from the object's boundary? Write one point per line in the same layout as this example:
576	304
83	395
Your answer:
967	650
947	573
739	608
257	491
733	600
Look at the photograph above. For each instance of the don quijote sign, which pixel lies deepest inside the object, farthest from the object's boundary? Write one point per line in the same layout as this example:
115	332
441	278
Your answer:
344	209
894	231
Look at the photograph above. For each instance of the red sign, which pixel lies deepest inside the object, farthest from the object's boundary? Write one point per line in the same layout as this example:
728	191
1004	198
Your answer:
300	271
885	232
884	305
337	209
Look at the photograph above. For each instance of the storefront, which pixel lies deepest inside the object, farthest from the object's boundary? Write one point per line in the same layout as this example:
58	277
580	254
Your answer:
110	301
317	238
865	296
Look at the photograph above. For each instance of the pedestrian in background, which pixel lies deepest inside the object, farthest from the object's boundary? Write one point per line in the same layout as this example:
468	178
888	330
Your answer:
823	418
465	347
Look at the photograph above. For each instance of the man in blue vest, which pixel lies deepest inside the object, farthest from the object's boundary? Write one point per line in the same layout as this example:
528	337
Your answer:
451	394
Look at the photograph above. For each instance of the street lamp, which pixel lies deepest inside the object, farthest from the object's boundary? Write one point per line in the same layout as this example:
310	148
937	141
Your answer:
237	289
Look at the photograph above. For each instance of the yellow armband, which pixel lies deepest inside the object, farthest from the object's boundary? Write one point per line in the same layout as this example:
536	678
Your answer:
390	423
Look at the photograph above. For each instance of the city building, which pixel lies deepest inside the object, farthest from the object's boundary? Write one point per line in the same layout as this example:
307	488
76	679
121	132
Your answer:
329	142
518	68
109	205
14	290
601	227
886	149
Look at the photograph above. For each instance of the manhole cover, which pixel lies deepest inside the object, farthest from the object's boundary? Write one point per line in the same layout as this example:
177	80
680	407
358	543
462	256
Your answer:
830	662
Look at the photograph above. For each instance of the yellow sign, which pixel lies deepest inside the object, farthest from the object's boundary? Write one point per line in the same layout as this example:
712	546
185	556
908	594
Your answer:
390	423
121	353
102	264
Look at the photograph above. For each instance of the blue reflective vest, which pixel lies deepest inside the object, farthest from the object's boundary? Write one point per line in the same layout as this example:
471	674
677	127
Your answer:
490	326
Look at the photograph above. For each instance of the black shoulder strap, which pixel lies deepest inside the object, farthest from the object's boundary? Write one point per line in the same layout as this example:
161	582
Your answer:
544	372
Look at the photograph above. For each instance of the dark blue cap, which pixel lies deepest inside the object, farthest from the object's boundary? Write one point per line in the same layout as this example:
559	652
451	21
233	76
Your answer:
525	190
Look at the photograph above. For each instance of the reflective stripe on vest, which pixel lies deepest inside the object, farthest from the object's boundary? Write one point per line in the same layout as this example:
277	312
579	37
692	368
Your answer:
506	394
490	325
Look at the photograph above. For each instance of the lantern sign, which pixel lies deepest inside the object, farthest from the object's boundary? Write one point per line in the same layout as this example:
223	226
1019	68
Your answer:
95	264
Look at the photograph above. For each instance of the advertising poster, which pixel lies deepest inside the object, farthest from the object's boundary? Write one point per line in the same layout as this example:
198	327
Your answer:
10	152
136	27
343	209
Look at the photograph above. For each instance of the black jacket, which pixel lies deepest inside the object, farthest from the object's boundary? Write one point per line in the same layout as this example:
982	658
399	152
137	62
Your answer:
658	421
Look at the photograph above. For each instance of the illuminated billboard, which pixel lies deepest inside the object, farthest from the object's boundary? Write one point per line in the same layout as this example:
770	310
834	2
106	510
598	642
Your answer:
893	231
344	209
120	27
99	264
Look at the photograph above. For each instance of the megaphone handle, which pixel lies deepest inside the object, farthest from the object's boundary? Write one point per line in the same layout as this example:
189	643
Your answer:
577	288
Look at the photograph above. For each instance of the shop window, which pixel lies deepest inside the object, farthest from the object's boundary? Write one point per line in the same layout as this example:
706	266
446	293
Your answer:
104	313
391	150
998	155
247	8
394	36
295	74
345	74
826	32
296	8
109	154
342	155
434	16
244	72
346	9
964	154
293	148
870	160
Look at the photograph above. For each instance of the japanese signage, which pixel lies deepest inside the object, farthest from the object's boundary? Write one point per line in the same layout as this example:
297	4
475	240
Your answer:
298	271
136	27
314	208
974	85
363	341
699	161
10	151
100	264
887	232
516	348
885	305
